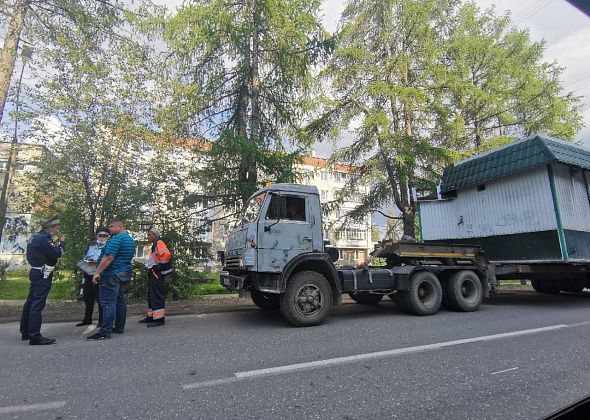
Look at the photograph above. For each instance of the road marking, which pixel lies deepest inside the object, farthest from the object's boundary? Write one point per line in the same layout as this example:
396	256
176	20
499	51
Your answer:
505	370
31	407
366	356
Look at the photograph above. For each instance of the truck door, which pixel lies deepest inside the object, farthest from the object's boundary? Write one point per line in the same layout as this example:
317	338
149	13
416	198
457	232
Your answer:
284	231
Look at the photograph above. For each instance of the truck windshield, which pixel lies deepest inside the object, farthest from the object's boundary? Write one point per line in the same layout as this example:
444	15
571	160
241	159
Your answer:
253	208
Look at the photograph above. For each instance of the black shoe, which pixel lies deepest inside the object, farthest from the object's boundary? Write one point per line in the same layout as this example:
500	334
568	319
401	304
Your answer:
98	336
156	323
81	324
25	337
146	320
117	331
41	341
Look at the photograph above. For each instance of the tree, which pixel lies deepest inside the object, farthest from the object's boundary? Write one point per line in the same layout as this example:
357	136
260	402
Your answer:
499	85
405	75
241	76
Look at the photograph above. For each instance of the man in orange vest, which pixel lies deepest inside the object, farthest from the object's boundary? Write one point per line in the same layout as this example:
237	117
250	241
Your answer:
158	266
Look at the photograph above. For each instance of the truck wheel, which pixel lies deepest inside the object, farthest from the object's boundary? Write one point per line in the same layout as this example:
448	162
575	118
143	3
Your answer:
307	299
571	285
424	296
265	301
546	286
366	298
464	291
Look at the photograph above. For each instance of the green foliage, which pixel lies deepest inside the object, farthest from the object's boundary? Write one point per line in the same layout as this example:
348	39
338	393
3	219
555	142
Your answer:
242	76
420	84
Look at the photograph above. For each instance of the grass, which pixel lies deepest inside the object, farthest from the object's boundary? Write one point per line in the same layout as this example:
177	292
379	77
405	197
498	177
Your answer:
16	286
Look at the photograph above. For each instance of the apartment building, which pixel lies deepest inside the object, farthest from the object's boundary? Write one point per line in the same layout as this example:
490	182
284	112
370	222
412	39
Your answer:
353	240
18	213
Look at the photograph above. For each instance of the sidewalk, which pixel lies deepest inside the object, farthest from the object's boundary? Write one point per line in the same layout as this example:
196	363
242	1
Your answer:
73	311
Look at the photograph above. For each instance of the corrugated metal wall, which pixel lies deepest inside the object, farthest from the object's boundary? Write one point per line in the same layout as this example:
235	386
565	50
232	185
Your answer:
510	205
572	198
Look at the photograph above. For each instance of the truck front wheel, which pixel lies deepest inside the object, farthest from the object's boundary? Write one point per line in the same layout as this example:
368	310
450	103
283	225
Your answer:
464	291
265	301
307	299
424	296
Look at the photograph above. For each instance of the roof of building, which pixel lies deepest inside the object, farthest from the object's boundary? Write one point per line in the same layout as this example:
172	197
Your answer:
513	158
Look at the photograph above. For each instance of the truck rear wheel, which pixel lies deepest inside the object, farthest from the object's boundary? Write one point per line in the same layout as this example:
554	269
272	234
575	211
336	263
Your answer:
265	301
424	296
307	299
464	291
546	286
365	298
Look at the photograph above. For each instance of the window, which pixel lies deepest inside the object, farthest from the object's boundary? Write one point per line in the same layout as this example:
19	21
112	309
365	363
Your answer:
352	234
324	194
340	176
324	176
139	251
286	207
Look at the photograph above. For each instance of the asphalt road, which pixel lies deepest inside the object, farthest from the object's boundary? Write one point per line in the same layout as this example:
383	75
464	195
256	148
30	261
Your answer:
522	356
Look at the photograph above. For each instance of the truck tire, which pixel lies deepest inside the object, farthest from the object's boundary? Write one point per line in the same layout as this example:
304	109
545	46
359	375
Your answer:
265	301
571	285
464	291
424	296
365	298
307	299
546	286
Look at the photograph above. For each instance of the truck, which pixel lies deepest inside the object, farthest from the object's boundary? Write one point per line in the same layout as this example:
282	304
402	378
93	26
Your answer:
278	254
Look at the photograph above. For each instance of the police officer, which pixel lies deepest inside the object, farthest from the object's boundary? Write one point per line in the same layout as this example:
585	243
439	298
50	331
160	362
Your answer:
42	255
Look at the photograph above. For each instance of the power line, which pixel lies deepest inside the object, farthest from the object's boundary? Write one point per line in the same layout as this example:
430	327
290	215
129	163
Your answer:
534	11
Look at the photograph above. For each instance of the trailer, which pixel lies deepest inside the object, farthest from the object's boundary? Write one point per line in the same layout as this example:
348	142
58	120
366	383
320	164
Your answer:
527	204
278	255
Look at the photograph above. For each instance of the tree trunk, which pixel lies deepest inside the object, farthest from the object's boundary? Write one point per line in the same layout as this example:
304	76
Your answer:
9	52
409	222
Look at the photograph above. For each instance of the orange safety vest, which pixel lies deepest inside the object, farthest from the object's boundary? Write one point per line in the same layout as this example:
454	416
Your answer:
161	257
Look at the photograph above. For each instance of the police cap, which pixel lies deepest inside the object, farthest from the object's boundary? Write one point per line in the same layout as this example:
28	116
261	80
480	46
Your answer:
103	231
51	222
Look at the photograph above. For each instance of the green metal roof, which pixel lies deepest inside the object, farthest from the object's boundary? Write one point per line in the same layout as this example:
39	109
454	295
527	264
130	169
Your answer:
513	158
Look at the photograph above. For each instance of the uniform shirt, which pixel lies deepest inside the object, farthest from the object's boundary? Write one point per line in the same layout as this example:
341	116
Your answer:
121	247
42	251
93	252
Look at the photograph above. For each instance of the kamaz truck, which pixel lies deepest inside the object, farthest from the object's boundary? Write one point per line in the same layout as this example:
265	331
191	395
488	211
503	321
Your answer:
278	255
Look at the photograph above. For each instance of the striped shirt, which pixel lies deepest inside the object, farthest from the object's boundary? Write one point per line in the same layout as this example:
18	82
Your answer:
121	247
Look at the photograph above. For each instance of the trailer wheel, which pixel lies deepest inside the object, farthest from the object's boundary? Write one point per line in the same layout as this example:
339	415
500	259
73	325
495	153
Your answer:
571	285
366	298
463	291
424	296
307	299
546	286
265	301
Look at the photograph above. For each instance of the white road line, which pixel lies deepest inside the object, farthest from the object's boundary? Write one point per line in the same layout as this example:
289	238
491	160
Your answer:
366	356
31	407
505	370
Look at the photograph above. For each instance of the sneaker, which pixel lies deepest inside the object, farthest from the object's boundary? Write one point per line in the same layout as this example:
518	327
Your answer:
118	331
98	336
81	324
25	337
146	320
41	341
156	323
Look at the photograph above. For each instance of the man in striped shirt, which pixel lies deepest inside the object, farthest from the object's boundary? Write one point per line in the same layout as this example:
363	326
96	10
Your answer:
112	274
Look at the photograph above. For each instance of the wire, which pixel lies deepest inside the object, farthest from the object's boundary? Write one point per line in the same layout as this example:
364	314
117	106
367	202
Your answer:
534	11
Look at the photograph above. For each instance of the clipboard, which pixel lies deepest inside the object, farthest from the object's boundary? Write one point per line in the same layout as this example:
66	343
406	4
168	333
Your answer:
86	267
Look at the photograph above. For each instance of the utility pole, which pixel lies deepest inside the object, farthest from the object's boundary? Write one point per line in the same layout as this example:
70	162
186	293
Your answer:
26	53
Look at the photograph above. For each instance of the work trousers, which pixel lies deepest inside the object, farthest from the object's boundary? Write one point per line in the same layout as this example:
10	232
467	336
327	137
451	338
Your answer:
31	318
90	293
156	294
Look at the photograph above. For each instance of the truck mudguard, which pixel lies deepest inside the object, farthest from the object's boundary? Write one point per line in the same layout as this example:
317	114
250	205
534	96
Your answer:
313	261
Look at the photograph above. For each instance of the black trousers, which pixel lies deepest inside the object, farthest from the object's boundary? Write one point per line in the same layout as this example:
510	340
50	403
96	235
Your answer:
156	294
31	318
90	294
